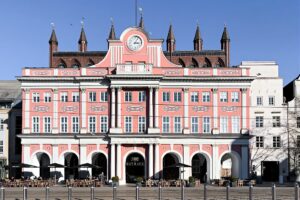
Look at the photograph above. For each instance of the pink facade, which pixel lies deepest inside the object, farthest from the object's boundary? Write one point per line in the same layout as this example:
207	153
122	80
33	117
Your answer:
137	101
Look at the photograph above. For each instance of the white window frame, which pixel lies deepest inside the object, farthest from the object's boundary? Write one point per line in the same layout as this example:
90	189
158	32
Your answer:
142	96
177	124
235	97
75	124
223	124
276	121
259	121
235	124
92	124
223	97
75	96
166	96
47	124
63	124
194	96
35	124
166	124
1	124
259	142
205	96
35	97
206	124
142	124
64	96
128	96
47	97
276	142
1	147
259	101
177	97
271	100
195	124
92	96
104	96
103	124
128	124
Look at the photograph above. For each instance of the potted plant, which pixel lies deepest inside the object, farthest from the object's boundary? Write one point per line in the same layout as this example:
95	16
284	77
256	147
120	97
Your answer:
115	180
139	181
192	181
233	181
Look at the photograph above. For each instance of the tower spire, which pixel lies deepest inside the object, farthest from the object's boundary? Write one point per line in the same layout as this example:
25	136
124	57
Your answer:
53	45
82	42
198	42
141	24
171	40
112	34
225	45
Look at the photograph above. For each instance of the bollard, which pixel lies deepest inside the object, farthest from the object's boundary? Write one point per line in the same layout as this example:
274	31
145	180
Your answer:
137	192
227	192
92	193
47	193
159	193
114	193
2	193
296	191
250	191
205	195
69	193
273	192
24	193
182	191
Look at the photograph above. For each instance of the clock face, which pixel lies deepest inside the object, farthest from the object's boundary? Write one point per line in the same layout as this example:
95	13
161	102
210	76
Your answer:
134	43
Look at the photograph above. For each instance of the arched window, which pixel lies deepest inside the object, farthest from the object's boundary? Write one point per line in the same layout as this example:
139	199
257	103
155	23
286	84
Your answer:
207	63
220	63
62	64
90	63
194	63
75	64
181	62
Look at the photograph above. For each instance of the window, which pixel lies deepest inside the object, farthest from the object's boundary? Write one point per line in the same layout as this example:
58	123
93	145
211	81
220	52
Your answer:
104	124
1	146
92	124
276	121
128	96
103	96
142	96
177	125
92	96
206	125
47	97
276	141
142	124
36	124
259	142
166	125
235	123
194	97
298	141
223	124
177	96
47	124
234	96
64	124
195	126
1	124
75	96
205	97
128	124
223	97
64	97
36	97
75	124
298	122
271	101
259	101
166	96
259	121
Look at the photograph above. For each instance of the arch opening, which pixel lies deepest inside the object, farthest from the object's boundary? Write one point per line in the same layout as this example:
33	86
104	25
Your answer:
99	160
199	167
170	172
71	161
44	162
135	167
230	166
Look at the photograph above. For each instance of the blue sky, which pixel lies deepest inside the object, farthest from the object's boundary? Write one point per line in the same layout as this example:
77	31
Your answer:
259	29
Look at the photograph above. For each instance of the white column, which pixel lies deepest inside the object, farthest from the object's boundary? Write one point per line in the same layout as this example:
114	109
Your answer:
119	162
150	156
244	110
83	111
215	111
27	111
113	108
55	128
157	159
186	129
186	160
150	107
215	161
156	114
119	108
245	162
112	160
82	159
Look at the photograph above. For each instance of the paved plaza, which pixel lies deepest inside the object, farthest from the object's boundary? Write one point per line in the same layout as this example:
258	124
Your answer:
128	193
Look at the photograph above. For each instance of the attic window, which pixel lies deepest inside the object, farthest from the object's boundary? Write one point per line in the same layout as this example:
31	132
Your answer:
75	66
62	65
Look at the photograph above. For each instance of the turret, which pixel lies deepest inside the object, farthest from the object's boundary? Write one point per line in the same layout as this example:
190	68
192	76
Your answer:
82	42
171	42
198	42
53	46
225	46
141	24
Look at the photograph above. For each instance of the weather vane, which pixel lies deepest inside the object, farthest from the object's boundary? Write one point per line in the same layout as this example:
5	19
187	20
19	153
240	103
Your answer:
112	20
82	22
141	11
52	25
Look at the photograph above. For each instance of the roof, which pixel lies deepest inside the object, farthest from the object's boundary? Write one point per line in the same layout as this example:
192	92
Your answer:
170	34
195	53
53	37
112	34
225	35
197	34
82	37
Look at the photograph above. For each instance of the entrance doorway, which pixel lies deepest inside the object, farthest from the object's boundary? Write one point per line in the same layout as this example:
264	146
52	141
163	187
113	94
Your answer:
44	163
71	161
99	160
270	170
135	167
170	172
199	167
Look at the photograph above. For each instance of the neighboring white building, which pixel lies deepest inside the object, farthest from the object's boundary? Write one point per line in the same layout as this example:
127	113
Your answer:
268	145
292	96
